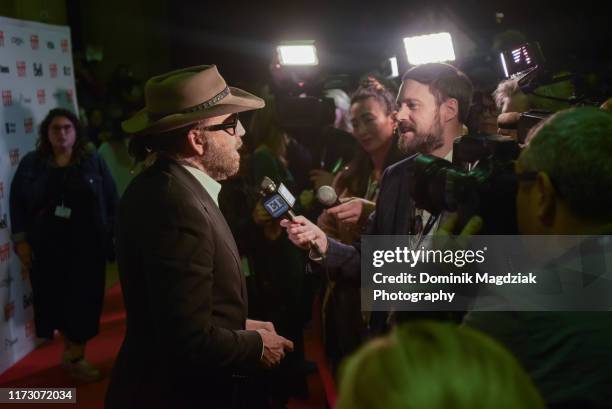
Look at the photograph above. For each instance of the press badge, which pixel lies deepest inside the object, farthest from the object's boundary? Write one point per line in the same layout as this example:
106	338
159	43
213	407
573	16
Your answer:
63	212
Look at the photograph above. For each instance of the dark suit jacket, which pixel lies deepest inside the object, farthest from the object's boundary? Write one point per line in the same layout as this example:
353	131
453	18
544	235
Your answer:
185	297
394	214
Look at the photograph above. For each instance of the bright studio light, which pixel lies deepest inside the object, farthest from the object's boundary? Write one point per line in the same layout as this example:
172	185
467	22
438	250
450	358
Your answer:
297	54
429	48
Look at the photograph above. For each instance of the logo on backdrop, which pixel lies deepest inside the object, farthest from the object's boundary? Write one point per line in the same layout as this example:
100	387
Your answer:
9	310
40	94
50	45
6	283
4	69
4	222
38	69
17	41
5	252
53	70
29	328
64	45
28	125
69	94
7	97
10	127
14	156
34	41
27	300
9	343
1	38
67	70
1	190
21	68
24	100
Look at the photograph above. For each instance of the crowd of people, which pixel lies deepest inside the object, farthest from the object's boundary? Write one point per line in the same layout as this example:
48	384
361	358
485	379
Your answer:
195	256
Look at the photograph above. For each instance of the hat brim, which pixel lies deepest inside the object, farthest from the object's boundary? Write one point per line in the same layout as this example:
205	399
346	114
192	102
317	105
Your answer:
237	101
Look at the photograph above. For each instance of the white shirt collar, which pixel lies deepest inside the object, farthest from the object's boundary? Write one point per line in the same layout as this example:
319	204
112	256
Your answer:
209	184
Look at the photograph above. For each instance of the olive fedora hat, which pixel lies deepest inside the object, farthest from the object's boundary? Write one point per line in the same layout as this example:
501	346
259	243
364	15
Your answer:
183	97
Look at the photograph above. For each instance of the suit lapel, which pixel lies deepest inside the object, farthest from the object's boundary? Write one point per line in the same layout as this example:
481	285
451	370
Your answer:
211	208
404	207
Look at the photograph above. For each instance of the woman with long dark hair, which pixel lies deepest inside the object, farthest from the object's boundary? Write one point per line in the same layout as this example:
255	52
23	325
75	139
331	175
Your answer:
63	201
373	118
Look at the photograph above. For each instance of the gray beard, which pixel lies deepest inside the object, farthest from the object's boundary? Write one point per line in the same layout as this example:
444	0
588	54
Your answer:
220	164
216	163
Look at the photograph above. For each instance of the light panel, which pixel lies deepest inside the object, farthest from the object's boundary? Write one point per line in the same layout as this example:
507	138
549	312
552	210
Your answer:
429	48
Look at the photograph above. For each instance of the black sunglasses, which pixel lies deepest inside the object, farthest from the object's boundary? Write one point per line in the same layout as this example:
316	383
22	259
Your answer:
229	126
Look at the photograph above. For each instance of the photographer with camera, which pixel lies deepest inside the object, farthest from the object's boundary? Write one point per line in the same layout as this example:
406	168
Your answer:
564	178
433	104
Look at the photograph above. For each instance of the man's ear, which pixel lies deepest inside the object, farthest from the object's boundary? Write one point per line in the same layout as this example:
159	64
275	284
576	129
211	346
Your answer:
449	110
195	141
546	199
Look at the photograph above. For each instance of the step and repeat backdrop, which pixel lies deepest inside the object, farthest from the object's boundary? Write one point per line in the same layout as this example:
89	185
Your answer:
36	75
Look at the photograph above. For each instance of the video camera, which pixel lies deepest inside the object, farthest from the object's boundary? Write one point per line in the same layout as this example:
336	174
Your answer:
535	76
480	181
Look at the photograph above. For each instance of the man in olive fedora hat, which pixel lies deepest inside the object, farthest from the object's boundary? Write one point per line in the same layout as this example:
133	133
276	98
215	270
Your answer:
188	341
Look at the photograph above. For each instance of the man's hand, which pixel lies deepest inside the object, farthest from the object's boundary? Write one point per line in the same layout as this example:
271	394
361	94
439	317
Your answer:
348	212
302	231
253	325
24	252
320	177
275	347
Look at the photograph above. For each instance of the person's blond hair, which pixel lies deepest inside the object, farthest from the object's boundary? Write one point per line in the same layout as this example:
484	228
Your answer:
428	365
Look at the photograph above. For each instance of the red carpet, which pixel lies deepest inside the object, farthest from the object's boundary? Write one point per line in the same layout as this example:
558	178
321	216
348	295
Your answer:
41	367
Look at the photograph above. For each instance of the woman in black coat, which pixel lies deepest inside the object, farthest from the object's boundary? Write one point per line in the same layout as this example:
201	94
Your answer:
63	201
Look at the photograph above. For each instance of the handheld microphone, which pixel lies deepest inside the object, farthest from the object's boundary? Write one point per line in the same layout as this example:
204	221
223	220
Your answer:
326	195
278	202
508	120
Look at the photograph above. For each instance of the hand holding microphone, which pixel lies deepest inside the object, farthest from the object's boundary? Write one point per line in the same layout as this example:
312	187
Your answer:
347	210
278	202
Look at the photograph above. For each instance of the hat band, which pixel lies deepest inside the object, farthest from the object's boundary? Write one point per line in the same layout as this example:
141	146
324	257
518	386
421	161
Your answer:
204	105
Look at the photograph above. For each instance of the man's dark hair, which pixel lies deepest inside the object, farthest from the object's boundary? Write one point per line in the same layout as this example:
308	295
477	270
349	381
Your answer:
170	143
379	93
444	81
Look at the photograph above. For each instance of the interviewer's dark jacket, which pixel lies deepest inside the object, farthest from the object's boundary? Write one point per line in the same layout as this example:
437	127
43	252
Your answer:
394	215
29	186
184	294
